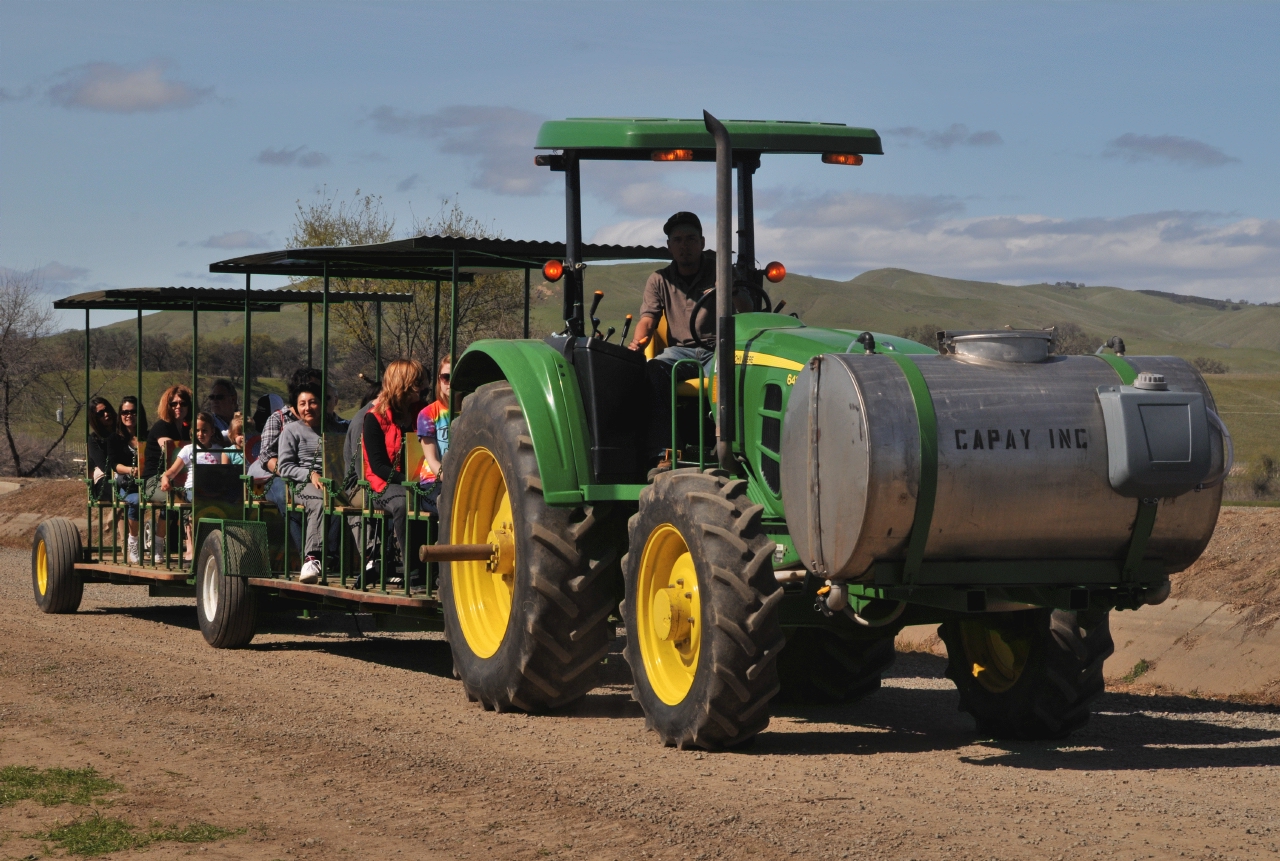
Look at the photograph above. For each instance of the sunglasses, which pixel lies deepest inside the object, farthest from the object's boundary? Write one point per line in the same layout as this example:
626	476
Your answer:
177	403
105	414
444	377
218	397
128	412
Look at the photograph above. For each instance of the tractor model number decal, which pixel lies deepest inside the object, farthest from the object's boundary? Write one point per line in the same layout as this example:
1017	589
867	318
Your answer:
791	379
992	439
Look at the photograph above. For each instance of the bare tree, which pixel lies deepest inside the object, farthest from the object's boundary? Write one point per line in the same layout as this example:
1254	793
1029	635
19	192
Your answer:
38	374
1069	339
926	333
488	307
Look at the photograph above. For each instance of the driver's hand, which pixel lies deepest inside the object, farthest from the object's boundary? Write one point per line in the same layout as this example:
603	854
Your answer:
637	344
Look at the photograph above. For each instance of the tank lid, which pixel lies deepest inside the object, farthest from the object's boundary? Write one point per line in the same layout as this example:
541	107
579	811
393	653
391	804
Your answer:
1151	382
1019	346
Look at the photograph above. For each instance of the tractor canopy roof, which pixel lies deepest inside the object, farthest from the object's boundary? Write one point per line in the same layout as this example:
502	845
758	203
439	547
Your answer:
639	137
208	299
424	258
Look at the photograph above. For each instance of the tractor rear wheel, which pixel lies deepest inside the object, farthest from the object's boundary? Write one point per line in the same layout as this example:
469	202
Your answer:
1029	674
225	605
701	611
825	666
54	553
529	629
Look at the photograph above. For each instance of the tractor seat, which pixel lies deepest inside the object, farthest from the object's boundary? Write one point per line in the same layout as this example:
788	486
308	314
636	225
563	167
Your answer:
658	343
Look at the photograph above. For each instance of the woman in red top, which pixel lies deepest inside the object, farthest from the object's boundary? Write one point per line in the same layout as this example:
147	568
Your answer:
390	421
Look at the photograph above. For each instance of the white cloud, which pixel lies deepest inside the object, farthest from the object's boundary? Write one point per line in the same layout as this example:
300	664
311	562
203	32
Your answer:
500	139
114	88
285	157
409	183
18	95
219	277
957	134
238	239
1184	252
53	278
1179	150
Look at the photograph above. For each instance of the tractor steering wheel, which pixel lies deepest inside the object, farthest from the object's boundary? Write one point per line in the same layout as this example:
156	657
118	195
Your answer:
760	301
693	318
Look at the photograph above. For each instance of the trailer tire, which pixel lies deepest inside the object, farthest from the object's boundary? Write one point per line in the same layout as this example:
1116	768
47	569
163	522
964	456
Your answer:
702	654
54	554
530	634
1030	674
226	606
821	666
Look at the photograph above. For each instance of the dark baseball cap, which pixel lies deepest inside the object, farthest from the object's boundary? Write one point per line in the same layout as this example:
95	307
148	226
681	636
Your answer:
681	218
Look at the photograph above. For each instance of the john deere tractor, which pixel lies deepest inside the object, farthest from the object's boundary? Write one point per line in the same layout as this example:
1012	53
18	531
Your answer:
826	487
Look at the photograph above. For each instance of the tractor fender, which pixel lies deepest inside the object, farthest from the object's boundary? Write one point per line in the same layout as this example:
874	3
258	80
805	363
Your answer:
547	389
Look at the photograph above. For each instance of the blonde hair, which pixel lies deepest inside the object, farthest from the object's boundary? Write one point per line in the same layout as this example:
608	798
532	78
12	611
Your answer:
163	408
400	383
236	428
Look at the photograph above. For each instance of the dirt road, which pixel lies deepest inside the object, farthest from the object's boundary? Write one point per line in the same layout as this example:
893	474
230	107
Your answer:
331	745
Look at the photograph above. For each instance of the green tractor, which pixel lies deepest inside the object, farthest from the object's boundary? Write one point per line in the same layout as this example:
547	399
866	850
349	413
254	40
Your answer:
833	486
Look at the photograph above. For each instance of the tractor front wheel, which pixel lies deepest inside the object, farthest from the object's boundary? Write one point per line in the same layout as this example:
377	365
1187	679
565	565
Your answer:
529	628
54	553
1029	674
823	666
701	611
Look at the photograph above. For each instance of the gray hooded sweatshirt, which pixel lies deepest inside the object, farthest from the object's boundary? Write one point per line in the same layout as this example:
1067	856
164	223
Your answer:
299	452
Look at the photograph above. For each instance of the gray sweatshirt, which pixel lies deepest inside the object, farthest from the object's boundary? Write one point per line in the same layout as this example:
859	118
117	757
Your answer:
299	452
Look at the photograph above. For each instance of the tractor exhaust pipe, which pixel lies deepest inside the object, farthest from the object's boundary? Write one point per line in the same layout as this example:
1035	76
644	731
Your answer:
725	331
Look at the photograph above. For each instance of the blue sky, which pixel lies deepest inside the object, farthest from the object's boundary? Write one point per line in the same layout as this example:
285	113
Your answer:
1130	145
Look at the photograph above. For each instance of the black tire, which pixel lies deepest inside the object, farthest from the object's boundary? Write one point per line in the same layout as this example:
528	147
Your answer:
1059	673
562	586
824	666
225	605
54	554
735	674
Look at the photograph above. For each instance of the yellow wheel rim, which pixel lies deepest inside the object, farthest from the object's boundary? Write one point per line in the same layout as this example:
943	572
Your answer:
996	658
482	515
42	568
668	614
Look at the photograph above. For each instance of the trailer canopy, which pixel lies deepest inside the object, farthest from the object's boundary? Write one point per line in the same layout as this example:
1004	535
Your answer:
211	299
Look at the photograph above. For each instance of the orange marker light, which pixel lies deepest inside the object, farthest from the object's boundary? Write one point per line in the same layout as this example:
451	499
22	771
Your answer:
842	158
552	270
672	155
775	272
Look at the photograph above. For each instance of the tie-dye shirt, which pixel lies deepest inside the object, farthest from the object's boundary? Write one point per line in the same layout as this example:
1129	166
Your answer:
433	426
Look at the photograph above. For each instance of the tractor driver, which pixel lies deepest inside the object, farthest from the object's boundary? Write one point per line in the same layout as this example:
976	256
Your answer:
674	291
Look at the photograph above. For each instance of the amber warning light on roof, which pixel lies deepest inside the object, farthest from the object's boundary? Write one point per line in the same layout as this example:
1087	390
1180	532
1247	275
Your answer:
552	270
672	155
842	158
775	272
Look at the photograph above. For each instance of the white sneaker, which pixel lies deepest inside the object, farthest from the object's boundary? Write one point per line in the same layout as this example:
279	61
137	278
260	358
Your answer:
135	558
159	558
310	571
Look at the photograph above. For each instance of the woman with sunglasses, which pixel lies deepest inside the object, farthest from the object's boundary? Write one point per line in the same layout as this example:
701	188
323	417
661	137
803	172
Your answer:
433	436
174	425
133	430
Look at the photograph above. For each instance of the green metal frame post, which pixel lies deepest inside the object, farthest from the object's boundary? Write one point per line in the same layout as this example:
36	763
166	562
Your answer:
246	384
195	411
377	340
309	337
435	338
141	400
526	301
453	324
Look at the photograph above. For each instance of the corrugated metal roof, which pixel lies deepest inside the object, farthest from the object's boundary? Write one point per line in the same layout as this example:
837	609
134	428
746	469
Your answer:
212	299
425	258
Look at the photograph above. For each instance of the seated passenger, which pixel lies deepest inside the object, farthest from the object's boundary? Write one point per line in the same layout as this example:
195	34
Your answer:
433	436
299	462
174	425
393	416
235	434
133	430
108	452
222	404
673	292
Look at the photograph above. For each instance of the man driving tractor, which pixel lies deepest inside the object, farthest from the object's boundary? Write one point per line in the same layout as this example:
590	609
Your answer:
674	291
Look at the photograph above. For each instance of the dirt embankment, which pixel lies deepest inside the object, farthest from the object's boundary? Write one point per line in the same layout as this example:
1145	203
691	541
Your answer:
34	500
1241	565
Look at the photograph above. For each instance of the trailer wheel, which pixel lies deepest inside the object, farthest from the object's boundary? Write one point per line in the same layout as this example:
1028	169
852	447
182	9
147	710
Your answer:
225	605
824	666
701	611
528	631
1029	674
54	553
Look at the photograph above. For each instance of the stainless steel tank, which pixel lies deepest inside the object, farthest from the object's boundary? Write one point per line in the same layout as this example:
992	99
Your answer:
1022	461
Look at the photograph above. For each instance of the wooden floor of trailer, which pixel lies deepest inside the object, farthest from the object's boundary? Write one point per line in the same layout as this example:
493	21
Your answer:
350	598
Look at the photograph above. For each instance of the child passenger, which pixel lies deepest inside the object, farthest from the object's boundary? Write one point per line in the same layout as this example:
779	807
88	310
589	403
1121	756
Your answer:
207	450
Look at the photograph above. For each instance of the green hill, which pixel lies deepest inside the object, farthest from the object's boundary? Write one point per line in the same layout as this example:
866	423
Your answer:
889	300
